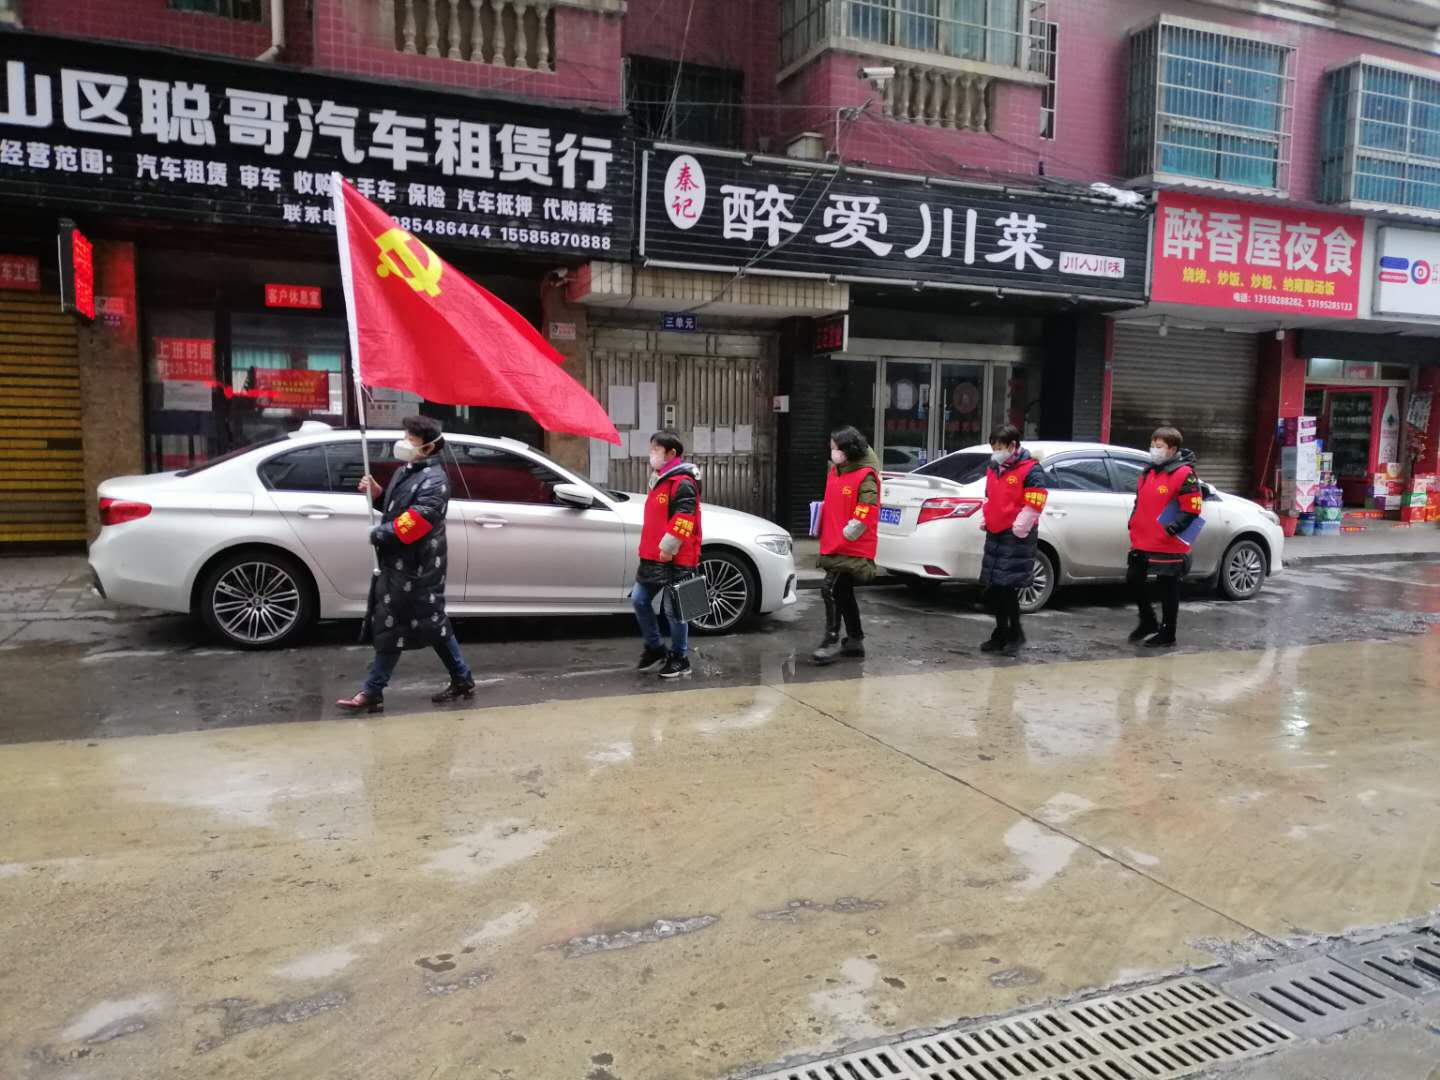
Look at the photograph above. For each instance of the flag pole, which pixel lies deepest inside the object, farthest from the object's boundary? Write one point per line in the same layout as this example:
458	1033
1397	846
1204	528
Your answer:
347	282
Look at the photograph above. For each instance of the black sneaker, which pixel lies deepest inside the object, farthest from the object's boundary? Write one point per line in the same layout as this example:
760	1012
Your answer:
854	647
1165	639
456	691
650	659
675	667
1144	630
994	643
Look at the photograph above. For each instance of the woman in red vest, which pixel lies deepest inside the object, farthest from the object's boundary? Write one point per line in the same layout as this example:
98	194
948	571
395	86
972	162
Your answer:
669	551
1015	494
849	520
1156	549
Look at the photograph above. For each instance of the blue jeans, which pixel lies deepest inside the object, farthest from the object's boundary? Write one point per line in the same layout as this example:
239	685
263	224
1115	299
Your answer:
384	664
654	628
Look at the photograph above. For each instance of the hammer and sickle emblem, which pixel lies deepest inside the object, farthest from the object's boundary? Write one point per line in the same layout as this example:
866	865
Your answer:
422	277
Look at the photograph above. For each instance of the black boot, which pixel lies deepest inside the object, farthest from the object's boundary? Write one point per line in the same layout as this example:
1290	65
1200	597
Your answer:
853	647
456	691
995	642
1163	640
830	645
1014	642
652	657
1148	625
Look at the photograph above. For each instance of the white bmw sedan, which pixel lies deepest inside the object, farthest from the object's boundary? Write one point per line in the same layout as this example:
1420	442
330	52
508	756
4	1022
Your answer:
930	523
262	542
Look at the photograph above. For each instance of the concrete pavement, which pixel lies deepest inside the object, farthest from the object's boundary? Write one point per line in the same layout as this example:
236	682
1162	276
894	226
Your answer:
608	883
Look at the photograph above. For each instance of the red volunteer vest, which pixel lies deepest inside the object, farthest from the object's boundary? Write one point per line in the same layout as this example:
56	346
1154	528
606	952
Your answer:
1006	495
842	503
1157	490
658	522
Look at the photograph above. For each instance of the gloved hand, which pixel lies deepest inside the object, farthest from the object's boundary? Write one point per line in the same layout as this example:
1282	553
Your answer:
1025	521
378	535
854	529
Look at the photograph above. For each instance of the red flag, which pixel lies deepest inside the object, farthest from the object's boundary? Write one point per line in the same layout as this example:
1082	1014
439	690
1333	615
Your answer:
418	324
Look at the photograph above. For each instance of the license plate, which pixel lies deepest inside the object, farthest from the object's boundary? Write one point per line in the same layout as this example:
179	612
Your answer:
890	515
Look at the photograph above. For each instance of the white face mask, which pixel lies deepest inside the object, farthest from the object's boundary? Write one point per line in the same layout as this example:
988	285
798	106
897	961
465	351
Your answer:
1159	454
838	457
999	457
657	460
405	450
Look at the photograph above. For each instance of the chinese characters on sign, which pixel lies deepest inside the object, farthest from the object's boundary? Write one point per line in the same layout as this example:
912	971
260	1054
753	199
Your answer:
1223	253
293	296
832	334
704	209
682	321
19	272
293	388
185	359
99	125
77	271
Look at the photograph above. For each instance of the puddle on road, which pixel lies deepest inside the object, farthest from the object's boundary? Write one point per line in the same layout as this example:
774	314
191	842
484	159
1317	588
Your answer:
494	847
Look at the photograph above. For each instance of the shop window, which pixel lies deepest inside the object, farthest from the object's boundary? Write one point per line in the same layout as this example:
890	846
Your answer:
245	10
489	474
305	469
1083	474
1381	136
1210	105
690	102
1324	368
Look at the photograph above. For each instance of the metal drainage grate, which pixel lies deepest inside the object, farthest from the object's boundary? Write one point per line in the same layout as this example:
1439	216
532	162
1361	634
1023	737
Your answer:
1316	998
1157	1033
1409	965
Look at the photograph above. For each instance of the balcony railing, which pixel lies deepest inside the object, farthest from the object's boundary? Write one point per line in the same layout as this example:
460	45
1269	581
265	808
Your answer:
1381	136
939	98
504	33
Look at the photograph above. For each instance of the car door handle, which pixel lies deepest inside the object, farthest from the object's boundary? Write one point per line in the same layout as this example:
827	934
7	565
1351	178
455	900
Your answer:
316	513
490	521
1056	513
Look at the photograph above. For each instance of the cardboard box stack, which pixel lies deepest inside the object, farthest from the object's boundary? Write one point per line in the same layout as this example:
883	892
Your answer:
1416	500
1387	488
1299	466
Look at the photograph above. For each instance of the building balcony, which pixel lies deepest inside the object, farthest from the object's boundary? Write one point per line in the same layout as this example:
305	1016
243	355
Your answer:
516	34
1380	145
932	39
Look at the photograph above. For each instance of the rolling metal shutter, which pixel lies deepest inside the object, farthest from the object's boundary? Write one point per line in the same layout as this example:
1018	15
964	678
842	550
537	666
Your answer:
1200	381
42	468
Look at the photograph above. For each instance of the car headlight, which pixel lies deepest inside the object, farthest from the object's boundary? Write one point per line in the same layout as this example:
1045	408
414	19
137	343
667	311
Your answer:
1270	516
779	544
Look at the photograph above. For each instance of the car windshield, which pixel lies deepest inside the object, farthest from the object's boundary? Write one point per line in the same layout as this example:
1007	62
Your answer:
960	468
231	456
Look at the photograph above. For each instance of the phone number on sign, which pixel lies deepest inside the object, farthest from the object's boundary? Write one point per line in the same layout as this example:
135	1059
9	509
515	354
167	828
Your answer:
510	234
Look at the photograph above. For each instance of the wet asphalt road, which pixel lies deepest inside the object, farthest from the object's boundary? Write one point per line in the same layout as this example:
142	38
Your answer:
106	674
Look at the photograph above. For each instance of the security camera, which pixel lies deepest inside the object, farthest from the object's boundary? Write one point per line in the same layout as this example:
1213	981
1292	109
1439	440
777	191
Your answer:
877	74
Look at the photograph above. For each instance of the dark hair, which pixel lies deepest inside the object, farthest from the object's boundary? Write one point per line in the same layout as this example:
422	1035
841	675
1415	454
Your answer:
668	440
1170	436
1005	435
850	442
425	428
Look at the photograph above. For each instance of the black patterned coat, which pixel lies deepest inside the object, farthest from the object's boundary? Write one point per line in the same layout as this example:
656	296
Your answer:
408	604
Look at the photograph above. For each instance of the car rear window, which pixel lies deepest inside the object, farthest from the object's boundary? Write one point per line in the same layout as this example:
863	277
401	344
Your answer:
231	456
960	467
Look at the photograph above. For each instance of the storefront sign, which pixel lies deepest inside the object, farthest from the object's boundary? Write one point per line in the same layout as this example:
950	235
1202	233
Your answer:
700	208
1229	254
1407	272
562	331
184	359
120	130
387	408
19	272
77	272
684	322
832	334
293	388
292	296
187	395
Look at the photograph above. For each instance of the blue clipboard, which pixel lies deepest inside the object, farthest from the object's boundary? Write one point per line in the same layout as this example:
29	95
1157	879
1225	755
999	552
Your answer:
1190	532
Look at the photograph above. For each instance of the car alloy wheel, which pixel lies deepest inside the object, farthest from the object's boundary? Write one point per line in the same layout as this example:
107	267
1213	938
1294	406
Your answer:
1243	571
256	602
1037	594
732	593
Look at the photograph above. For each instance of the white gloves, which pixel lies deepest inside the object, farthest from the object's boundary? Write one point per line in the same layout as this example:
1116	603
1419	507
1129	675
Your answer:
1025	521
854	529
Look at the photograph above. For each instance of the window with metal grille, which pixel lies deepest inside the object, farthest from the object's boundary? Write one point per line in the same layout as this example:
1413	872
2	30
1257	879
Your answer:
246	10
1210	105
989	31
686	101
1381	137
1050	61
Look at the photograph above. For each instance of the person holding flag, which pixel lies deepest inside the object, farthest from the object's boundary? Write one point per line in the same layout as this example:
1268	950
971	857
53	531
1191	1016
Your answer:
407	602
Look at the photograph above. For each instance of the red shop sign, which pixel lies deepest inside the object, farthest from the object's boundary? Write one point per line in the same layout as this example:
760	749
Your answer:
292	296
293	388
19	272
1229	254
185	359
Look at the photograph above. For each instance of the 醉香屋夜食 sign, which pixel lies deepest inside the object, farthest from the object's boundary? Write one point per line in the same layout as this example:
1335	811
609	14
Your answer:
1276	259
127	131
764	215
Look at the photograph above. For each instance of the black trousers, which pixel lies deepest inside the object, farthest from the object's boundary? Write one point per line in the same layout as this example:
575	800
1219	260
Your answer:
1167	586
1004	602
838	592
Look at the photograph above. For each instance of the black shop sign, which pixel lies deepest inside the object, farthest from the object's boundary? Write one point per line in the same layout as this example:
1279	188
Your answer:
765	215
145	132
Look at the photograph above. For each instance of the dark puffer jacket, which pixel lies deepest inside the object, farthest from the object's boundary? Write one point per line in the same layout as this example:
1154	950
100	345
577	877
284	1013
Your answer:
1009	560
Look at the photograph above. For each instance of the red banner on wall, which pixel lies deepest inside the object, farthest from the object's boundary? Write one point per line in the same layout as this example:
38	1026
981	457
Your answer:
293	388
1230	254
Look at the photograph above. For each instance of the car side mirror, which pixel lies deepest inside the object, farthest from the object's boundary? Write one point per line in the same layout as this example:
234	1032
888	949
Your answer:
573	495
